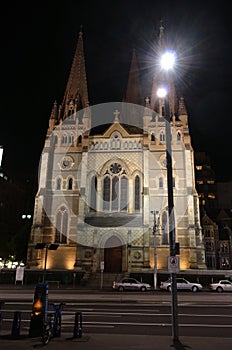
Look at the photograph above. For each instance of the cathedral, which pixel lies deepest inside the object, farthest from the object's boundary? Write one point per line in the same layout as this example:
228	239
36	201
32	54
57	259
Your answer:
102	196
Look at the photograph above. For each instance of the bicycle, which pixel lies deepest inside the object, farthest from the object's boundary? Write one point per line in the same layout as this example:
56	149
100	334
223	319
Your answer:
52	324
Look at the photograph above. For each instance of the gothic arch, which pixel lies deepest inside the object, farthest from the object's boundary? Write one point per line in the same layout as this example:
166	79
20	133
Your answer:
61	224
70	183
113	255
58	183
107	164
107	235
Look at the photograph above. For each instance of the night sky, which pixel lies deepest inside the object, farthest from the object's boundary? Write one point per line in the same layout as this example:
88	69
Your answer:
38	41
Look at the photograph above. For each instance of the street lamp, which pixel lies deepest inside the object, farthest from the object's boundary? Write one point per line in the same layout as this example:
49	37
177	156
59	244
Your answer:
167	62
50	246
155	226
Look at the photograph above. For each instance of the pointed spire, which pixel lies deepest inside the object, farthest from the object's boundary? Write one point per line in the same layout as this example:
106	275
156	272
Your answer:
182	112
133	93
161	34
76	89
53	117
182	108
131	113
54	111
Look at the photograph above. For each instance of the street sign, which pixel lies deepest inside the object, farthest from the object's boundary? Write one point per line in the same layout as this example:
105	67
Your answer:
173	264
19	274
102	265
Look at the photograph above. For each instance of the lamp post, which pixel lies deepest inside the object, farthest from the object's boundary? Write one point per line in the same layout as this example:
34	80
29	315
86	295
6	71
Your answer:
167	63
155	225
50	246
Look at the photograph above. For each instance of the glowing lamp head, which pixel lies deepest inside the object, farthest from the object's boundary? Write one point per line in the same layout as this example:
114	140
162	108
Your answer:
162	92
168	59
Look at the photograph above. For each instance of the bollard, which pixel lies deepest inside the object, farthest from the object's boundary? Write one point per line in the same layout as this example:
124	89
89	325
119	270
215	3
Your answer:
15	331
1	304
77	330
57	325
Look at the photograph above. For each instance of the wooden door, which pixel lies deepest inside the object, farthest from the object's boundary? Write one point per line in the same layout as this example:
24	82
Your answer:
113	255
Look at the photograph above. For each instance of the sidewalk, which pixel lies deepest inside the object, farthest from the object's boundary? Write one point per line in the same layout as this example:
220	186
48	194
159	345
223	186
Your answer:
117	342
96	341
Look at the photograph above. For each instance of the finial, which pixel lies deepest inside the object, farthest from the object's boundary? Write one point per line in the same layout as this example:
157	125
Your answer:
81	28
161	33
116	113
147	100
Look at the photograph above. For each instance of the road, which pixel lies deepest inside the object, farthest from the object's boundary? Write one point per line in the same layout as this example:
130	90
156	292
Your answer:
205	314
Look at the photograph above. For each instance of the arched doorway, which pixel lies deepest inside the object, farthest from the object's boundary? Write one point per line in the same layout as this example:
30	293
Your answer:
113	255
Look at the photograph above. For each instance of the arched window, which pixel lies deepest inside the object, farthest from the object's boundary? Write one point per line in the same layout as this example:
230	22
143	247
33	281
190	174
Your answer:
137	192
152	137
55	140
58	183
165	228
70	183
79	139
178	136
71	139
64	139
161	182
115	193
124	193
61	226
93	190
106	193
173	182
162	136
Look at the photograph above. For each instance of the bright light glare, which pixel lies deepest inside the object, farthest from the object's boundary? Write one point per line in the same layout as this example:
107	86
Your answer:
168	60
161	92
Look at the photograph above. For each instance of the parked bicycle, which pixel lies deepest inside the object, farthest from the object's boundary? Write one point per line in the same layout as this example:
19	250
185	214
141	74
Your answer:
52	323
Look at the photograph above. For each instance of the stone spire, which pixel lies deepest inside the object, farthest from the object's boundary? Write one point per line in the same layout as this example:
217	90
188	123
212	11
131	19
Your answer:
182	108
76	93
131	113
133	92
182	111
53	117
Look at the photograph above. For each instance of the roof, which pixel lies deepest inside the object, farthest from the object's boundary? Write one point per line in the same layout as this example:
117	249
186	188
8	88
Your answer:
101	129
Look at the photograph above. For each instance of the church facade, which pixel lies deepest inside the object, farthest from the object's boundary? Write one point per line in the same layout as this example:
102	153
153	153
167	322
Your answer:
102	197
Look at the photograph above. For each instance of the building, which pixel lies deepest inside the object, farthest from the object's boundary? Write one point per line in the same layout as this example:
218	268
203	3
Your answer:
205	183
100	183
217	239
224	195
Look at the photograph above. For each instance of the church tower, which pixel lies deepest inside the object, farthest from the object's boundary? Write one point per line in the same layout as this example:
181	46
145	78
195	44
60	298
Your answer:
99	186
57	198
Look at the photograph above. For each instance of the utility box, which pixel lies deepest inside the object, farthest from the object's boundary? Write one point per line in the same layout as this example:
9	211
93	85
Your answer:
39	309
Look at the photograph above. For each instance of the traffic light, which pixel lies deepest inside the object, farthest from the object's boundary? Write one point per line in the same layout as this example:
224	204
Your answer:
177	248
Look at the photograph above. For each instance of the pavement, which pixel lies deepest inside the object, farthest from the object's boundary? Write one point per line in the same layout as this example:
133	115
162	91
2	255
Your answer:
97	341
116	342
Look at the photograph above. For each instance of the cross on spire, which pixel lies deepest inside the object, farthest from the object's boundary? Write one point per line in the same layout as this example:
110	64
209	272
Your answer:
116	113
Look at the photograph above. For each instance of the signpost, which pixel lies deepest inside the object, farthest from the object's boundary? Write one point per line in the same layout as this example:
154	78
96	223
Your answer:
173	264
102	269
19	274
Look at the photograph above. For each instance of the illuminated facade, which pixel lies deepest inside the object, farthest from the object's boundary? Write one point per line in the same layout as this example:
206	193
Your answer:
100	183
